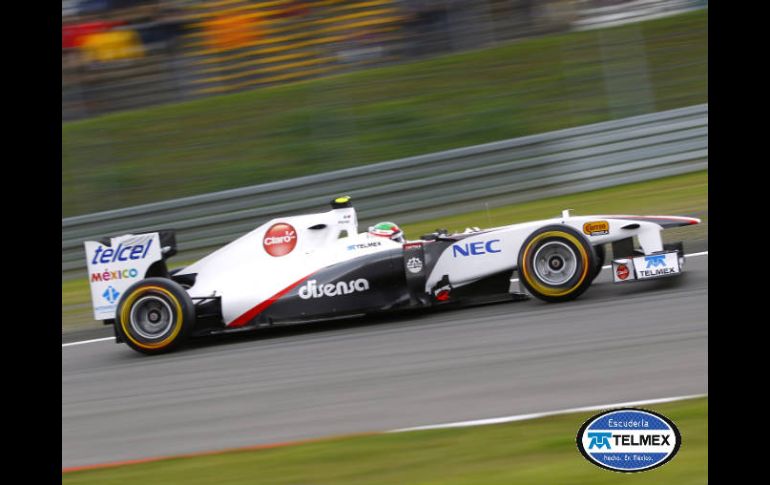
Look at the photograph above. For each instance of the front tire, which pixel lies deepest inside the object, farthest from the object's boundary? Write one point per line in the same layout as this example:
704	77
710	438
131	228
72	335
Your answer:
601	256
155	315
556	263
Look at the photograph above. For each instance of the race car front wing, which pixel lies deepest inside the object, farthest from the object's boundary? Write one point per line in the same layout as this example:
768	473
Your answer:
662	264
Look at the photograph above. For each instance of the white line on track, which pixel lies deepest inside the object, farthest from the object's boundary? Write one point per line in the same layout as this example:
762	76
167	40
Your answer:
88	341
105	339
524	417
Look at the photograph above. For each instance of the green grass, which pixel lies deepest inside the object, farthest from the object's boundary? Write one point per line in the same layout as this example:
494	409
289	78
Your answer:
533	452
682	195
512	90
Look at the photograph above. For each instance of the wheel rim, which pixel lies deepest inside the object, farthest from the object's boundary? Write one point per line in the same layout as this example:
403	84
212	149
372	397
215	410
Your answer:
555	263
151	317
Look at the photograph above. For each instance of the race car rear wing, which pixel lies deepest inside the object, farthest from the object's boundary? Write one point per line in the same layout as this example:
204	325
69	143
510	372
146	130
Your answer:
115	263
167	241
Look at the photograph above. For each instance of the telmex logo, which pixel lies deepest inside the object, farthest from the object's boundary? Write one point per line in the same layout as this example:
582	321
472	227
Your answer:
596	228
475	248
629	440
280	239
312	289
105	255
602	440
372	244
655	261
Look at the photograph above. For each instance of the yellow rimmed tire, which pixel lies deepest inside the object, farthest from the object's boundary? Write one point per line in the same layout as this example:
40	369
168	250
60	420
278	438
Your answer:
154	315
556	263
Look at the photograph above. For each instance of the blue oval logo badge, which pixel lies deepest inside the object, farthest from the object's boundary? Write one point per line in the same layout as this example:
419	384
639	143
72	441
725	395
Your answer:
629	440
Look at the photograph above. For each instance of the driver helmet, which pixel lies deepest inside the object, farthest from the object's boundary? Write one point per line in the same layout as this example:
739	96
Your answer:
389	230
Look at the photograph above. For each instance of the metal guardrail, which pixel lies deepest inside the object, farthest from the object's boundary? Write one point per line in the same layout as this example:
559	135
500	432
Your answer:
427	186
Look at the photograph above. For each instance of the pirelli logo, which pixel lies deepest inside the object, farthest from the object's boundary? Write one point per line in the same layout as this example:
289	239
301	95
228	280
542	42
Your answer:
596	228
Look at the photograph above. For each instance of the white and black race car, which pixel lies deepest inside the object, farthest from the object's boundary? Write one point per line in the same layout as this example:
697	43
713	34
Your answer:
318	266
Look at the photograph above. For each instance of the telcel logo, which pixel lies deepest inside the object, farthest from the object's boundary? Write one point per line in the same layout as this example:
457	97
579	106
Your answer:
121	253
476	248
312	289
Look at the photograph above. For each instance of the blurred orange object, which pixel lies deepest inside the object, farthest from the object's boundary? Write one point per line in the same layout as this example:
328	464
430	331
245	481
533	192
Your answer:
232	31
112	46
73	35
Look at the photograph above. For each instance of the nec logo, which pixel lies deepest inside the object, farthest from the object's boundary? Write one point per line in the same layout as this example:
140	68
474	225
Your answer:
655	261
475	248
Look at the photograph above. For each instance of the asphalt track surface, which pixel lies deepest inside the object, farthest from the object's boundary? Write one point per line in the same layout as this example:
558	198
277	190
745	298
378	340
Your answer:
615	343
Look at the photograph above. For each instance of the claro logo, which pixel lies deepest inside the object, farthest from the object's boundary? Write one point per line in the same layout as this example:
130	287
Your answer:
280	239
312	289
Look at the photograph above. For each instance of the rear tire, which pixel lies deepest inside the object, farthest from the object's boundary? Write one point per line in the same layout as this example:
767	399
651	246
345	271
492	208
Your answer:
556	263
155	315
